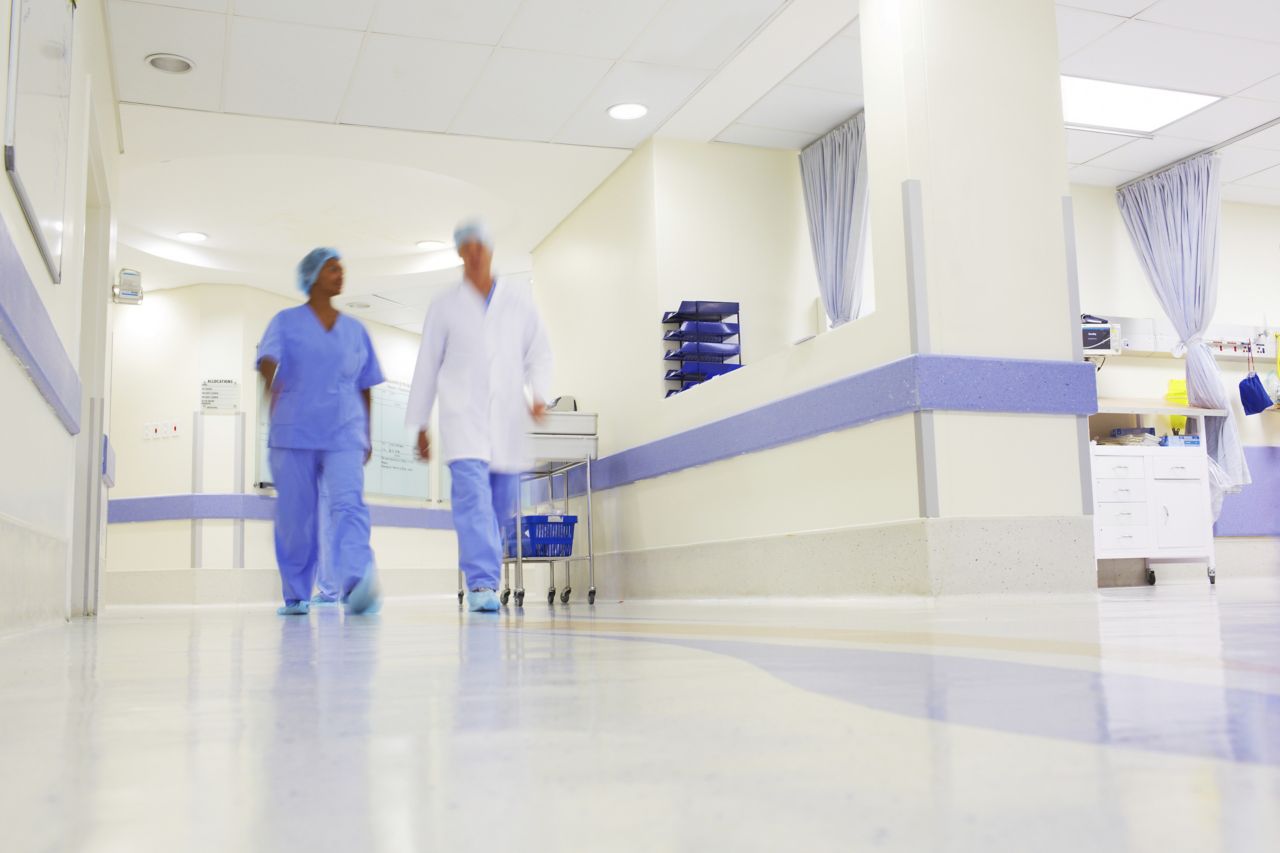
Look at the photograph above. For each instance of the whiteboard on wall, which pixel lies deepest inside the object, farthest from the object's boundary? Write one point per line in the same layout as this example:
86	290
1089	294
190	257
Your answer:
394	470
38	118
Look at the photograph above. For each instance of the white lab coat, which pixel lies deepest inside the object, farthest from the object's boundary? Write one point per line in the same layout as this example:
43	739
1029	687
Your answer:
479	360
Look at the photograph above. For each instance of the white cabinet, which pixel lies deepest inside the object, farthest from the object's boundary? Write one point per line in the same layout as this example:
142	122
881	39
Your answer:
1152	503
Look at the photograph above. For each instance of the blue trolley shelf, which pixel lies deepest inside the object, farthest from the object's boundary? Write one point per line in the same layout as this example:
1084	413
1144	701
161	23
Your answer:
709	344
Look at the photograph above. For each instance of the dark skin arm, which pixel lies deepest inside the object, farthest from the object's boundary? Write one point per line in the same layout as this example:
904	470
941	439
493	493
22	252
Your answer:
367	396
267	367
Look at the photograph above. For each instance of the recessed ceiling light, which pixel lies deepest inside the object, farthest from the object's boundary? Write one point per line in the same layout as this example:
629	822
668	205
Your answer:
357	306
628	112
193	236
1120	106
170	63
431	245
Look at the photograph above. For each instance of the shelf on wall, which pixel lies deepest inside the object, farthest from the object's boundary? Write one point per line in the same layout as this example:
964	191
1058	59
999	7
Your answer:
704	335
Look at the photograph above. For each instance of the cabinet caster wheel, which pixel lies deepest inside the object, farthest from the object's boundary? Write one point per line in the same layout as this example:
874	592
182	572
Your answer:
1151	578
551	596
591	596
1213	578
520	598
564	595
505	597
461	596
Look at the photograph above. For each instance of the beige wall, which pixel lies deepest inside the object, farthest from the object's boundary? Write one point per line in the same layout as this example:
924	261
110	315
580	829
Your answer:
37	455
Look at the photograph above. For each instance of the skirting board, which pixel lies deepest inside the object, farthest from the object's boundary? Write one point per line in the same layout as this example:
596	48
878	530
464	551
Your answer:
33	575
949	556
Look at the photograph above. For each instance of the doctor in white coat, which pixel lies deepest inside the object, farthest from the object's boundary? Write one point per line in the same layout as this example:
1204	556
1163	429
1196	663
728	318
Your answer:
485	354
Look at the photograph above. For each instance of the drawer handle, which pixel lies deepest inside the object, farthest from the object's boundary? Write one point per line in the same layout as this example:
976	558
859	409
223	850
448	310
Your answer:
1166	514
1179	467
1122	467
1124	490
1126	536
1126	514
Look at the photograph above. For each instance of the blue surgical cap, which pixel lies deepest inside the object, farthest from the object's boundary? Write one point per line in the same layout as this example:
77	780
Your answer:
310	266
472	231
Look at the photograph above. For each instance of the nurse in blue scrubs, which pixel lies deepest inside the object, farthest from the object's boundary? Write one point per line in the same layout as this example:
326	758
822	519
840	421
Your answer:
319	366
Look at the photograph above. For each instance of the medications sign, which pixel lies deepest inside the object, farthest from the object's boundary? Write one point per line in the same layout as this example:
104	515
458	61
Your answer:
220	395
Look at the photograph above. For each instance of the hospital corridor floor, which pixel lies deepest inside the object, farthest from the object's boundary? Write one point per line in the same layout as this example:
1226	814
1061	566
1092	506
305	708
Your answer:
1134	719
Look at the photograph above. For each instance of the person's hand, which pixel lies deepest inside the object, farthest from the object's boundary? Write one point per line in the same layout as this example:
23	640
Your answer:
539	411
424	445
368	454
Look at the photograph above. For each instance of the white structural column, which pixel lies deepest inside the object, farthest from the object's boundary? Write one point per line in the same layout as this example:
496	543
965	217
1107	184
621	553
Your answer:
963	97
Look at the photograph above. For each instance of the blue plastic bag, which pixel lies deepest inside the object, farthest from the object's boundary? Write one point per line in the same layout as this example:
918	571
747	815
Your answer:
1253	395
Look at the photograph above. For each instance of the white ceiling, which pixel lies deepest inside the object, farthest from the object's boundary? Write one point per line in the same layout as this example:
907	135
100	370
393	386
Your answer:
534	70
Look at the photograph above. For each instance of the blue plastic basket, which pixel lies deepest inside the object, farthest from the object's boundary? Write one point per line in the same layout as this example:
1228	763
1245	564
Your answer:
545	536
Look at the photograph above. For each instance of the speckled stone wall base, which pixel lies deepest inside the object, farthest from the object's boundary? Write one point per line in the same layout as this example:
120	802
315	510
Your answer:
918	557
33	575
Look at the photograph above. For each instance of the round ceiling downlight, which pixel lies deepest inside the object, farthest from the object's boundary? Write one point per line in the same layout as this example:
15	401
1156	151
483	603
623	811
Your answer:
628	112
170	63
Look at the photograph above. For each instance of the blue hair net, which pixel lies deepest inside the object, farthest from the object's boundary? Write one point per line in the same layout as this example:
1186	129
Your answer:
472	231
310	266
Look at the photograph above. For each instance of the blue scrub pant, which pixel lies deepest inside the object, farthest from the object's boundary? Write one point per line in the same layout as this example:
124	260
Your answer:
298	476
484	507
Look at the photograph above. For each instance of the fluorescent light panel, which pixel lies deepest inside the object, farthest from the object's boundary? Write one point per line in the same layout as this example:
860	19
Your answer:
1120	106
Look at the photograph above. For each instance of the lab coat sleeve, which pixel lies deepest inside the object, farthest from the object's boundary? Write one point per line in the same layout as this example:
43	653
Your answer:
372	373
272	344
537	356
426	374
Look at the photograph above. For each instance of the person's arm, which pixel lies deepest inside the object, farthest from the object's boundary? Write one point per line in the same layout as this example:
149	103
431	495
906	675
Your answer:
270	354
538	363
370	376
426	376
366	395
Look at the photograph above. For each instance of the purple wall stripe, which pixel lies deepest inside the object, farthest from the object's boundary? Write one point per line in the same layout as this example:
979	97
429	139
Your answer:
1256	510
25	326
254	508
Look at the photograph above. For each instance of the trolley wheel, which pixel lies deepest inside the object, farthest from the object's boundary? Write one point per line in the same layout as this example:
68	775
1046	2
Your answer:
520	598
591	596
505	597
1213	577
1151	577
564	595
460	596
551	595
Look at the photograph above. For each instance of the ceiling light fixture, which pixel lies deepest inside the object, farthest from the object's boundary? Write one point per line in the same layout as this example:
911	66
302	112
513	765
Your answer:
1111	131
431	245
358	306
193	236
1099	106
170	63
628	112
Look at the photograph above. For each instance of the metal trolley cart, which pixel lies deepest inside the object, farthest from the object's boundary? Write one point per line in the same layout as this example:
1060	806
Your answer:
564	444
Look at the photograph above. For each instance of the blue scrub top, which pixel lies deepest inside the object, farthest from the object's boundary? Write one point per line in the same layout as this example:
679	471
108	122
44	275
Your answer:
319	379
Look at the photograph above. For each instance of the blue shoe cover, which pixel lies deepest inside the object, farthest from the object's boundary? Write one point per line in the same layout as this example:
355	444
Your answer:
366	598
483	601
298	608
322	600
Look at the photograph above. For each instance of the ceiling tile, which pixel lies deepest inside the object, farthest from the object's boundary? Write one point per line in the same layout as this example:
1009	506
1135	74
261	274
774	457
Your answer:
1251	19
597	28
1126	8
1167	57
471	21
1268	139
196	5
288	70
801	109
342	14
1078	28
1143	155
660	88
701	33
835	67
398	82
1239	162
1223	120
139	30
766	137
527	95
1096	176
1084	145
1267	90
1250	195
1269	178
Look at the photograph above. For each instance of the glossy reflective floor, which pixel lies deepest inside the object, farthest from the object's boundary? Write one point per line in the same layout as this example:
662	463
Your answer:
1145	719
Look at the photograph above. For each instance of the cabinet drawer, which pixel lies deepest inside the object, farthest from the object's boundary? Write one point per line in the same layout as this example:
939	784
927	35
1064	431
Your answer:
1122	515
1119	467
1123	539
1109	491
1180	468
